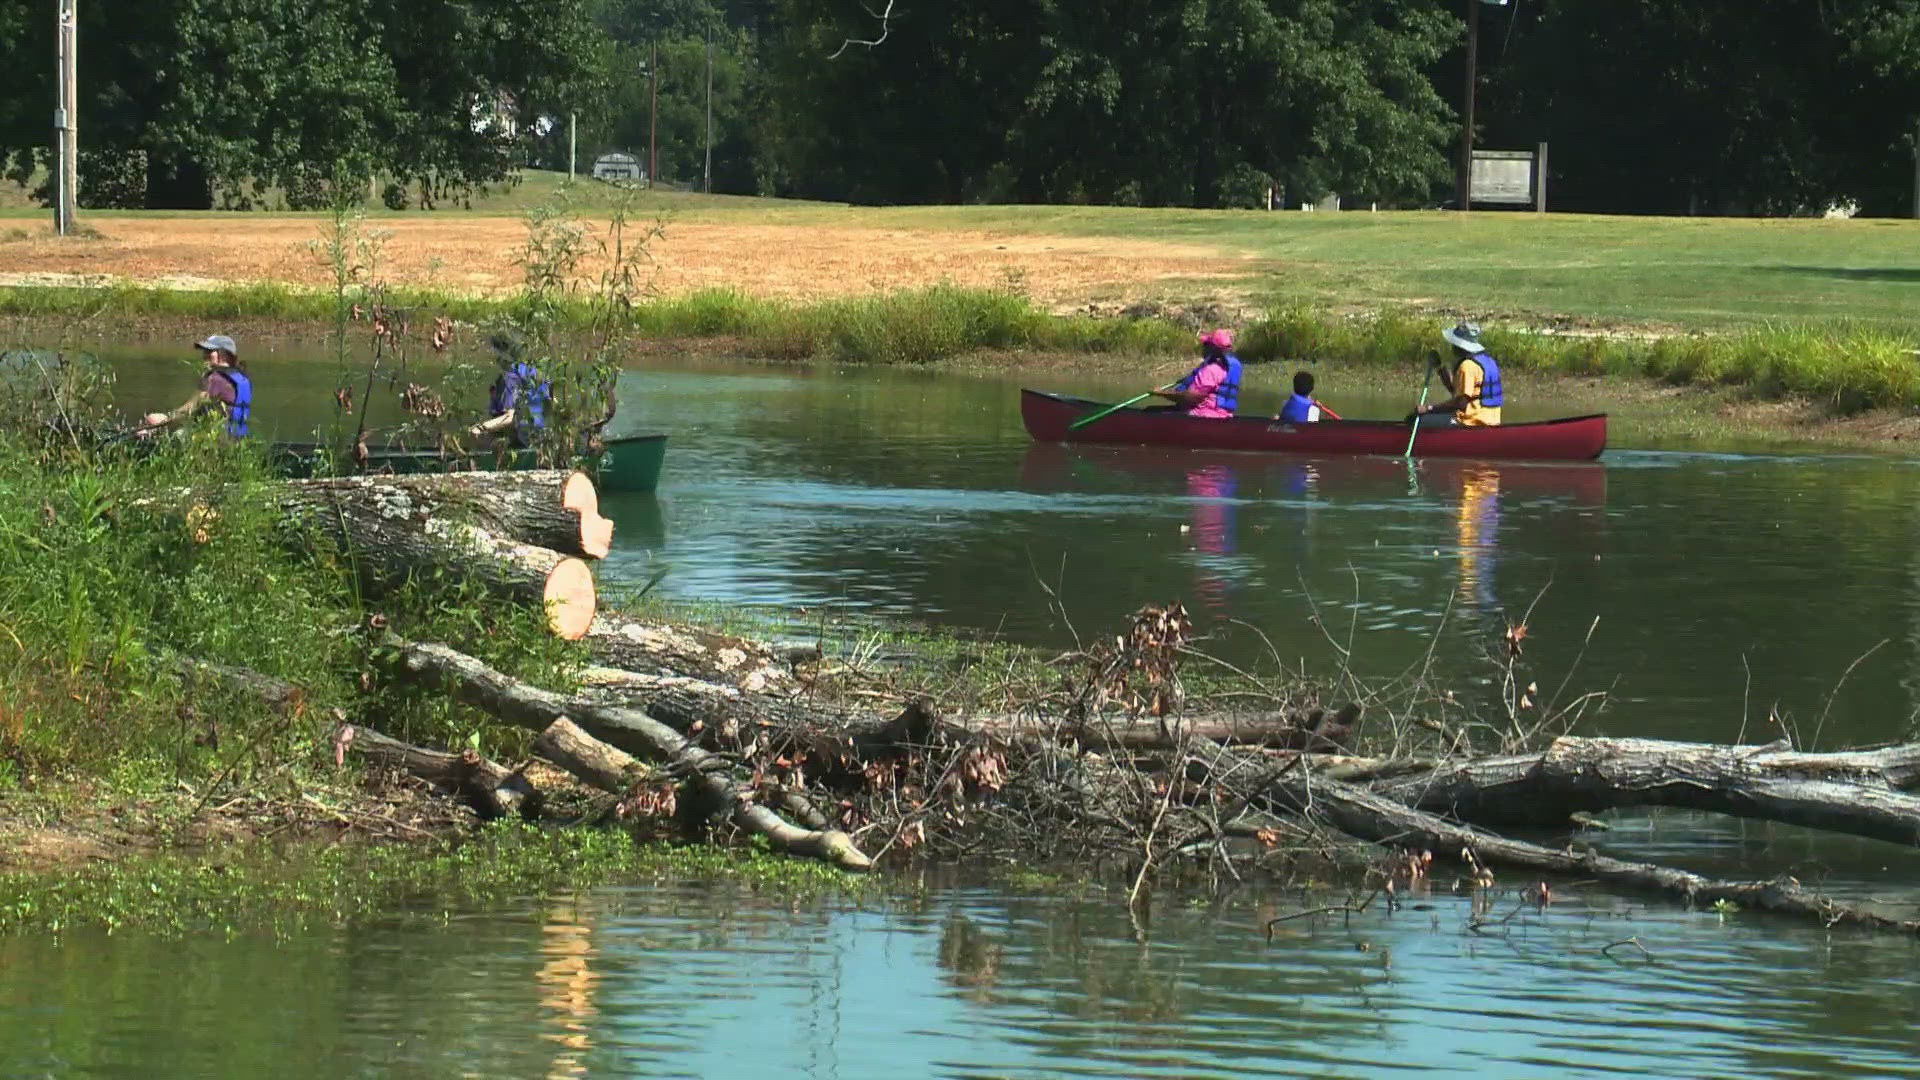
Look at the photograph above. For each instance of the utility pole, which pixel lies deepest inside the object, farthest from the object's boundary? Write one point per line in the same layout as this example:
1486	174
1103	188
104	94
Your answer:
707	175
653	114
1916	169
1465	185
66	115
573	144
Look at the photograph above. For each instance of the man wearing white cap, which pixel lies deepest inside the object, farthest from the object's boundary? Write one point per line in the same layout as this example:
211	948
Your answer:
224	386
1474	382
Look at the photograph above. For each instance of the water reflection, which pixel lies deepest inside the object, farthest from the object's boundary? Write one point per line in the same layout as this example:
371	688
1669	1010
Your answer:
567	983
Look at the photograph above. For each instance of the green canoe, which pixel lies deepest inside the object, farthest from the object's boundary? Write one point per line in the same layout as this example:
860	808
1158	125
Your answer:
630	463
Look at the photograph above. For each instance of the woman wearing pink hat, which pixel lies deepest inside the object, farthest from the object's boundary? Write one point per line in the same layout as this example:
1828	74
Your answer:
1213	389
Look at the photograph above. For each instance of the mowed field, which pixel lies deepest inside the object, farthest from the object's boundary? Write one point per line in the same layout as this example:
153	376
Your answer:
1557	268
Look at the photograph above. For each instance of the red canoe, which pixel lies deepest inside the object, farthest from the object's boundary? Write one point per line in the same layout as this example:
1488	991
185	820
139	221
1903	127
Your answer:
1576	438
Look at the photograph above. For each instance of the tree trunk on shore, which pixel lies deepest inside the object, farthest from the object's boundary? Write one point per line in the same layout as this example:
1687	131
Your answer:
388	536
683	652
549	508
490	788
473	682
1365	815
1856	792
598	764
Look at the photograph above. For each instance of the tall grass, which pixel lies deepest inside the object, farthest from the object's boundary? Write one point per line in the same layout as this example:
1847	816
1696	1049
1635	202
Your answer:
1846	367
116	564
911	326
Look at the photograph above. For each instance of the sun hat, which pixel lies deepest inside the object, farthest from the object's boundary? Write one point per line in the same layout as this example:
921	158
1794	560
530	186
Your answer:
218	341
1464	336
1219	339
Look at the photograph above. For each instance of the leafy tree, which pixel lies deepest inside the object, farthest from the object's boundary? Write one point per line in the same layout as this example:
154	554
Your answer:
294	91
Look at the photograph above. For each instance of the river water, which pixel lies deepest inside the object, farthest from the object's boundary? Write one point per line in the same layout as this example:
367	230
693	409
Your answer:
1713	592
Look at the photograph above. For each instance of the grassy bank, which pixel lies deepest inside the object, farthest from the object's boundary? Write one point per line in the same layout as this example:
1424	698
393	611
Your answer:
114	568
1847	367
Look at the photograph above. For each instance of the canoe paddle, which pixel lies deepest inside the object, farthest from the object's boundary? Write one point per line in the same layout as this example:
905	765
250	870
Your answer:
1433	364
1103	413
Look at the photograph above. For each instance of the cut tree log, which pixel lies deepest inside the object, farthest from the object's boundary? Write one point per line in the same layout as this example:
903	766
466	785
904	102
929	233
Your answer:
678	651
600	765
1856	792
499	695
388	536
549	508
1366	815
277	694
490	788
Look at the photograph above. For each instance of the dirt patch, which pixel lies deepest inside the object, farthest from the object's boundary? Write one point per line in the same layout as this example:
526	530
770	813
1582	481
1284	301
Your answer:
476	255
59	826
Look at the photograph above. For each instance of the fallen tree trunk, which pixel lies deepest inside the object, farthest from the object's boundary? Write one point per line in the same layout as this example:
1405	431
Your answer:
490	788
659	649
1366	815
598	764
549	508
1856	792
389	536
277	694
688	704
473	682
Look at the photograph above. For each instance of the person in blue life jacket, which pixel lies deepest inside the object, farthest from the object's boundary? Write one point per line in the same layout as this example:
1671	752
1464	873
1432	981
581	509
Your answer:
1474	382
225	388
1211	390
517	402
1302	407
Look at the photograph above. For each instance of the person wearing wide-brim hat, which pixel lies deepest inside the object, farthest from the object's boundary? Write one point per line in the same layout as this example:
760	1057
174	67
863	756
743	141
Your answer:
224	386
1473	378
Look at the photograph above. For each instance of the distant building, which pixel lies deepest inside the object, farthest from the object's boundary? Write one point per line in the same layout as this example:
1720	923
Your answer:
618	169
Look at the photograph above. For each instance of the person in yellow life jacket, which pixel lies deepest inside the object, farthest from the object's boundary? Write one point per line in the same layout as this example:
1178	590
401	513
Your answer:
1474	381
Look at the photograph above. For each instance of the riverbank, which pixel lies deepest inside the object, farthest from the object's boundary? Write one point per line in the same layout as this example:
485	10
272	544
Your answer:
1687	392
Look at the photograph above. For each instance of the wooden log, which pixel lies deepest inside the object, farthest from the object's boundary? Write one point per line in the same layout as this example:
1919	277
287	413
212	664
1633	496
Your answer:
1855	792
473	682
388	536
659	649
490	788
549	508
1366	815
277	694
683	702
600	765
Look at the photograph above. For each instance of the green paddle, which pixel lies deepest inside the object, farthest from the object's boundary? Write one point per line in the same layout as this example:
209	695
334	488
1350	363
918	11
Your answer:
1433	365
1103	413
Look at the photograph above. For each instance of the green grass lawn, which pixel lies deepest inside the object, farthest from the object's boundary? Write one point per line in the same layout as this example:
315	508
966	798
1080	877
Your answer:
1687	273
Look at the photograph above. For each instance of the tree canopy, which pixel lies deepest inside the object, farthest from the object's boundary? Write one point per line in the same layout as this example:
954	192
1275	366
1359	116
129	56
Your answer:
1670	106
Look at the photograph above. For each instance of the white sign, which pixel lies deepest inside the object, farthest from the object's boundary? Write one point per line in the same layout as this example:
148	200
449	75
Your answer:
1503	176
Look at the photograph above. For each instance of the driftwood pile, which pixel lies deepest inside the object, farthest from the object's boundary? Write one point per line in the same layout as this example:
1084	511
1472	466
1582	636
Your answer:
686	729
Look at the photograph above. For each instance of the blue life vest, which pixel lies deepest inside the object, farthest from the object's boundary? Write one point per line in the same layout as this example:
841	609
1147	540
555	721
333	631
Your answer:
1491	393
242	408
1227	394
521	389
1299	410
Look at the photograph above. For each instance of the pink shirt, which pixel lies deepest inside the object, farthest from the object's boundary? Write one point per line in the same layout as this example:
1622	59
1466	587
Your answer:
1209	379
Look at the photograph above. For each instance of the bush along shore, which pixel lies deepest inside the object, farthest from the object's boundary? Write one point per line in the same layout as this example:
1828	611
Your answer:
1845	367
389	658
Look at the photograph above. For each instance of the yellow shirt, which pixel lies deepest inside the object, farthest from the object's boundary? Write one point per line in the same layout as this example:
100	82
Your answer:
1467	382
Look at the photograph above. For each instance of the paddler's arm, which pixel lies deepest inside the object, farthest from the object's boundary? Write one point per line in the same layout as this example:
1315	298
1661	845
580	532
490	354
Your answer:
1191	396
157	420
493	425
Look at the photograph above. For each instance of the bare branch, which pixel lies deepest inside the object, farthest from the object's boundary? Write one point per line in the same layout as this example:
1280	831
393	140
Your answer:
883	16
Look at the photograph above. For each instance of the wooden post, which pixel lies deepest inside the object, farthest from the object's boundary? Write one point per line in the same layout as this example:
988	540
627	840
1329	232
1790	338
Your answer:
707	176
1466	113
66	116
653	114
1916	168
573	144
1540	180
